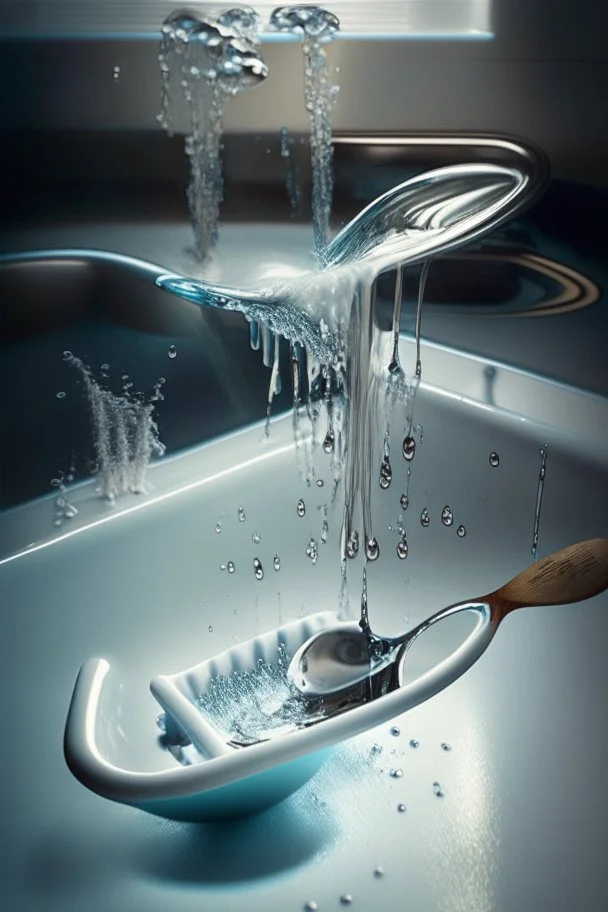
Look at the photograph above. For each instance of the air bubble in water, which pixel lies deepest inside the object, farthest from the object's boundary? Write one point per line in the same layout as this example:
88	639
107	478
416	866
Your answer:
300	507
320	482
172	352
255	538
241	514
258	570
395	731
425	518
414	742
402	548
409	448
277	562
438	789
461	531
60	394
386	473
401	808
230	566
447	517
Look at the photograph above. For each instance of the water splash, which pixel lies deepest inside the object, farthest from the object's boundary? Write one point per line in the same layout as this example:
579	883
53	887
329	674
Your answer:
210	60
317	27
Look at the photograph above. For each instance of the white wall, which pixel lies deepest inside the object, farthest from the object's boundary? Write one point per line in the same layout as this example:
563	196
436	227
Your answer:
543	77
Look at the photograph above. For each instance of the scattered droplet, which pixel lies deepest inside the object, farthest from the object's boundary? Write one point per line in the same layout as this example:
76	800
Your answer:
409	448
218	528
312	551
425	518
372	549
461	531
438	789
300	507
256	538
320	482
70	511
386	473
446	746
414	742
404	501
241	514
60	394
346	899
172	351
258	570
396	773
230	567
395	731
311	905
401	808
378	871
68	356
447	517
494	459
210	628
375	749
222	566
402	548
328	443
116	73
352	545
277	562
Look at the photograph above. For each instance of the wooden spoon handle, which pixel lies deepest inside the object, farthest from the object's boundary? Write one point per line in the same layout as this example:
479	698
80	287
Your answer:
573	574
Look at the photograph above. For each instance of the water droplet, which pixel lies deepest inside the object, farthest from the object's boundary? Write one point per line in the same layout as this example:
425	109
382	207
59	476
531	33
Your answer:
256	538
70	511
396	773
346	899
258	570
404	501
210	628
230	567
395	731
402	548
300	507
409	448
447	517
116	73
494	459
241	514
352	545
375	749
222	566
378	871
386	473
446	746
324	531
414	742
60	394
312	551
172	352
104	368
372	549
68	356
425	519
218	528
328	443
401	808
461	531
438	789
161	723
277	562
311	905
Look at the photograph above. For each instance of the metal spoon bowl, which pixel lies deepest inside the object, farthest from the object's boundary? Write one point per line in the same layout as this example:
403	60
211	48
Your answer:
343	666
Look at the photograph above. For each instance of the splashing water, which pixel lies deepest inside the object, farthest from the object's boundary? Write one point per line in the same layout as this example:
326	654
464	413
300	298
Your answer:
124	431
317	27
211	60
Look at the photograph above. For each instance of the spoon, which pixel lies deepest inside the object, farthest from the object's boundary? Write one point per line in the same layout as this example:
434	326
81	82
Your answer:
347	666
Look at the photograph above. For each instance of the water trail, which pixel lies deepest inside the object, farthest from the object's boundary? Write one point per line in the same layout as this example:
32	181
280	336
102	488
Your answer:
539	500
211	60
124	431
317	27
292	173
424	271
